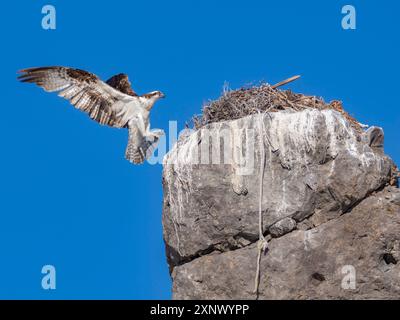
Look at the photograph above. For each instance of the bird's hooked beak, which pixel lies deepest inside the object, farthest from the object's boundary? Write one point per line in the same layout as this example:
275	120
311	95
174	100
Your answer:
162	95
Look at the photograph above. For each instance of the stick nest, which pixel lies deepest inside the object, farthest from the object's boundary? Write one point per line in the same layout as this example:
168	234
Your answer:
235	104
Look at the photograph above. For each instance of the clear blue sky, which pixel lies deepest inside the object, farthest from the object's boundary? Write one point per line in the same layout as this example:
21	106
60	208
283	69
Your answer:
67	196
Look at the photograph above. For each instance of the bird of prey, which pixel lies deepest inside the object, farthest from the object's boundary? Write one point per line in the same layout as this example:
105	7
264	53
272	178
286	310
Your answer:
111	103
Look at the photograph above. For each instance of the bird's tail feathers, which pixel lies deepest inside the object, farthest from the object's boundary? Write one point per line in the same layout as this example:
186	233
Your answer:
140	147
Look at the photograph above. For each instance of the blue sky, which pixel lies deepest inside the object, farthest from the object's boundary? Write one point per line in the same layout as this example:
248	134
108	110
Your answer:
67	196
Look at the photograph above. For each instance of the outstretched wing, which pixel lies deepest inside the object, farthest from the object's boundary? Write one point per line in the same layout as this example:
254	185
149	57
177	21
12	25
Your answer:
83	89
140	147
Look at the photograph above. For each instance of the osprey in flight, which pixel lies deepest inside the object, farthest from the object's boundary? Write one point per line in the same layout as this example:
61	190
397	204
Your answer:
111	103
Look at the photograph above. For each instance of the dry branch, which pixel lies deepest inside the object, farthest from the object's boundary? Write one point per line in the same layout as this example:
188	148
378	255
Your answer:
279	84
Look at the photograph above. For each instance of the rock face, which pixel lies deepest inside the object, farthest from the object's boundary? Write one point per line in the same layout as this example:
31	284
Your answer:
332	221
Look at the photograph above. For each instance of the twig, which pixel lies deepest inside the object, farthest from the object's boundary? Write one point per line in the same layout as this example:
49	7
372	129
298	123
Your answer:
279	84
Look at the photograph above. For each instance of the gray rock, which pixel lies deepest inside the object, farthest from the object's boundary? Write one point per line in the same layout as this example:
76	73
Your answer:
313	264
316	169
282	227
374	137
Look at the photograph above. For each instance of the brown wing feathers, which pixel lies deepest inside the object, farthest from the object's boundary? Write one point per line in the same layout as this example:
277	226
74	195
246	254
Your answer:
80	87
121	82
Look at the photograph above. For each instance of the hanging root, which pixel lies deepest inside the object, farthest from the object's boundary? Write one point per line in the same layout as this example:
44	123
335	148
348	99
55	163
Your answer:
261	246
262	242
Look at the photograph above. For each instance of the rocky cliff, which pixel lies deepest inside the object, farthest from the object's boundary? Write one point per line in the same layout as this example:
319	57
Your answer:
329	213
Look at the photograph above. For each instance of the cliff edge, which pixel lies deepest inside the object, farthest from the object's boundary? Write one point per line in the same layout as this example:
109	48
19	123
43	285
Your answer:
330	210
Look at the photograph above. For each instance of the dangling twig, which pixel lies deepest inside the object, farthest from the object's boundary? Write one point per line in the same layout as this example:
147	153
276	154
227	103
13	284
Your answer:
262	242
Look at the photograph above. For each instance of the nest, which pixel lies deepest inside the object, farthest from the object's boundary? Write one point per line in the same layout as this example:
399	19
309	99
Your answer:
235	104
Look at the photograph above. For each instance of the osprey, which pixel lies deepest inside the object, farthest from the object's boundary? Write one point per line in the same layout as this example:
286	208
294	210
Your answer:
111	103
